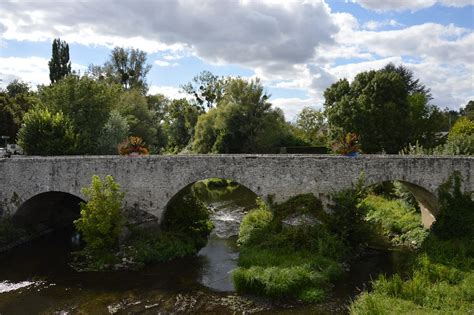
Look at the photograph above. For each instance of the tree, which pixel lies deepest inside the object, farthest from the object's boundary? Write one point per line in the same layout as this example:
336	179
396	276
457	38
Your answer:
374	106
179	123
387	108
101	218
242	122
133	106
127	67
115	130
59	65
15	101
45	133
311	126
206	88
468	110
87	103
413	85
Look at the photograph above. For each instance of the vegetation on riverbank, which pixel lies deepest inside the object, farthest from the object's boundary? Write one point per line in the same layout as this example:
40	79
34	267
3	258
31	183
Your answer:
289	261
183	232
396	220
441	279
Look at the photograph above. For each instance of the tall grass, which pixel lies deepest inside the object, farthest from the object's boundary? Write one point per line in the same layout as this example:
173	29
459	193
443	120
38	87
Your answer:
441	279
396	219
287	262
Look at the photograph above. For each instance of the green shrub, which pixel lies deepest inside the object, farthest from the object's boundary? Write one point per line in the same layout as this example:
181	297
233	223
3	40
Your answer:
152	246
456	215
398	221
347	219
101	219
441	279
255	223
188	216
296	262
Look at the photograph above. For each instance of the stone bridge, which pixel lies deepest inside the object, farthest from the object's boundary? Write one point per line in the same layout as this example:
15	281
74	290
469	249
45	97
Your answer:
149	182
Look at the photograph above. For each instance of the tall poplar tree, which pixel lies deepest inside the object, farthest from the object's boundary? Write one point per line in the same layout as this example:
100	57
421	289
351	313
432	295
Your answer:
59	65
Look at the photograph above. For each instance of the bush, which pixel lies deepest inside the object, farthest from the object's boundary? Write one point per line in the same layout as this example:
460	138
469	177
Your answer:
151	246
456	215
255	223
45	133
188	216
101	218
347	219
398	221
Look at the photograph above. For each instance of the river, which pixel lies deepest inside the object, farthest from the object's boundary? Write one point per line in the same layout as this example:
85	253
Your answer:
36	279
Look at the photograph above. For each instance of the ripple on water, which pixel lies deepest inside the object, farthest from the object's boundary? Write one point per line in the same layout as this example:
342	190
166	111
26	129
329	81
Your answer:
7	286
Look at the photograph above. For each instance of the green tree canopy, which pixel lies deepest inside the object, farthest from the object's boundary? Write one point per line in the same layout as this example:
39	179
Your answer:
127	67
206	88
46	133
15	101
115	131
179	123
387	108
242	122
134	107
311	126
59	65
86	102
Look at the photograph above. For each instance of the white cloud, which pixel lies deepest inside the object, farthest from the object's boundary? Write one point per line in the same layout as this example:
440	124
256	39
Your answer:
288	44
33	70
162	63
413	5
168	91
292	106
375	25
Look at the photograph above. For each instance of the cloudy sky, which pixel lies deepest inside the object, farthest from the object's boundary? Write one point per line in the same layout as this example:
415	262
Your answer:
297	48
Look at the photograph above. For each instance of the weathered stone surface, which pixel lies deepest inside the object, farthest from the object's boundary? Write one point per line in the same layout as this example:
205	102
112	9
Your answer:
150	182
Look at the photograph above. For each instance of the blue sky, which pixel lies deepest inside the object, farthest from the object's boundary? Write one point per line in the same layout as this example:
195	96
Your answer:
297	48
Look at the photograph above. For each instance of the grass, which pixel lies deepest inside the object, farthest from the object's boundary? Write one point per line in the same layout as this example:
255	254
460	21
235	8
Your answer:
296	263
397	220
441	279
432	288
152	246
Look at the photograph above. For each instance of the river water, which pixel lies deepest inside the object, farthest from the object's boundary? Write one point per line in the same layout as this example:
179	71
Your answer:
36	279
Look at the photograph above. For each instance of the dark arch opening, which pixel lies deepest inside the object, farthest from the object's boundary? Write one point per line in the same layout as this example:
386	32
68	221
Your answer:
47	211
227	196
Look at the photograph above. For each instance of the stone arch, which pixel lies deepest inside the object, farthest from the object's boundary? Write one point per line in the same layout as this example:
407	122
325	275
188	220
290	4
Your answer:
426	198
178	192
47	211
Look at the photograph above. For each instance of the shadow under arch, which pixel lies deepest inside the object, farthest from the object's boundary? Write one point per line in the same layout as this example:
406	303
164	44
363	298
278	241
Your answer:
426	200
48	211
227	201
